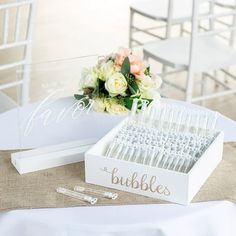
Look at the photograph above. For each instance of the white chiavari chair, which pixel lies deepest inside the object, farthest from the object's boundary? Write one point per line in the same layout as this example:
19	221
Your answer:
15	37
200	52
166	13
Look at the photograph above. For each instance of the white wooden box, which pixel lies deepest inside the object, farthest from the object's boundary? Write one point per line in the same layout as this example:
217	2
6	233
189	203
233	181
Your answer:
51	156
146	180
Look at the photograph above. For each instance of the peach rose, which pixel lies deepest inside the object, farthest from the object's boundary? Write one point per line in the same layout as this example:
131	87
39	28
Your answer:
121	55
136	65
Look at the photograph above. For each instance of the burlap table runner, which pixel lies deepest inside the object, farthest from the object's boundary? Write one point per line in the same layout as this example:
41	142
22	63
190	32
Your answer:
37	190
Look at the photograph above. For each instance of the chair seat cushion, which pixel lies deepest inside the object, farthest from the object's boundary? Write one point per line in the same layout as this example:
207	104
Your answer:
209	53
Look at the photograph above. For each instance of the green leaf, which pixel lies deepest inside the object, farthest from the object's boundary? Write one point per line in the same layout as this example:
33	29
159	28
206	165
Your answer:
82	98
125	68
147	71
95	92
130	78
133	87
79	96
86	101
147	99
128	102
100	89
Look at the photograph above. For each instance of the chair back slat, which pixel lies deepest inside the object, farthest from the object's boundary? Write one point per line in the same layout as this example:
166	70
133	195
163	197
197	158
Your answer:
17	24
17	32
15	7
5	26
15	4
29	25
212	11
212	16
195	12
216	32
170	18
217	15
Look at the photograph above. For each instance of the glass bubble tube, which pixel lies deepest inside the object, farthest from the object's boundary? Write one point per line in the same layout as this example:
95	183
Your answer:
165	136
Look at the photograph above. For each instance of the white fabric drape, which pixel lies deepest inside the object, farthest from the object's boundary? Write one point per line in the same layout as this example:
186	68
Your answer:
199	219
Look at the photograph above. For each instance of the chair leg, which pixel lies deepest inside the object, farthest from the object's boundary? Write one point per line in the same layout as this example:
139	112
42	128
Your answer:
189	87
25	85
216	76
131	27
145	57
168	35
164	70
203	79
20	87
226	81
181	29
231	43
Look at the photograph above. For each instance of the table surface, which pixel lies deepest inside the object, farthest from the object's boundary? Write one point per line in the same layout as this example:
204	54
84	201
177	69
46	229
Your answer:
154	219
40	124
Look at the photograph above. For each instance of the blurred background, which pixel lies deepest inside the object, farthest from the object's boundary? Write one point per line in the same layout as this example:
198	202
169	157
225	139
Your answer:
69	35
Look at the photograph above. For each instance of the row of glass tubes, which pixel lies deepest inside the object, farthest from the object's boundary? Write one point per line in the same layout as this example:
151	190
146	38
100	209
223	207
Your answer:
164	136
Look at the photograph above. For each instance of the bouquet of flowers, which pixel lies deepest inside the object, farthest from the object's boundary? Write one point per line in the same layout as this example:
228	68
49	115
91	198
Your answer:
116	81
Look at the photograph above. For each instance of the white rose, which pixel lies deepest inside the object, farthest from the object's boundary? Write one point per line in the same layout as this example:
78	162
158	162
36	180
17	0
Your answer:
115	108
157	81
106	70
144	82
116	84
89	77
99	105
151	94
